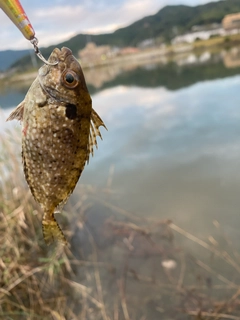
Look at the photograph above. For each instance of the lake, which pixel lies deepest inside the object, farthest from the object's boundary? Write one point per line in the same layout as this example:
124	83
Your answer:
171	152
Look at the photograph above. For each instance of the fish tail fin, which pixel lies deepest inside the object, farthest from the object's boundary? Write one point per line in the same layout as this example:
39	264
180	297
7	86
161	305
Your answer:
51	230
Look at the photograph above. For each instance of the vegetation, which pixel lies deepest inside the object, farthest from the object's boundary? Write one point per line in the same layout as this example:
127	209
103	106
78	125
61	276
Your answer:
166	23
128	267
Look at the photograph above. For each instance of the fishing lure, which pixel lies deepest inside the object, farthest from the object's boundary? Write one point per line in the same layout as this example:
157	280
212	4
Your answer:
16	13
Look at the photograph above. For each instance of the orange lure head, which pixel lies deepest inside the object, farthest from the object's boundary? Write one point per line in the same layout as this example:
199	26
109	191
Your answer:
15	12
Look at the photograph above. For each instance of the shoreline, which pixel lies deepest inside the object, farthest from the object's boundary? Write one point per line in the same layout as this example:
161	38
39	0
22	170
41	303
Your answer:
164	55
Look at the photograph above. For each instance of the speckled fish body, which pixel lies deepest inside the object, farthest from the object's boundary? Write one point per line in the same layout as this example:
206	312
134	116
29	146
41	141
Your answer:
59	129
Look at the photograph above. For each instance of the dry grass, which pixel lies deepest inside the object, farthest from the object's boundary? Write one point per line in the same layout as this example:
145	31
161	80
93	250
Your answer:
126	267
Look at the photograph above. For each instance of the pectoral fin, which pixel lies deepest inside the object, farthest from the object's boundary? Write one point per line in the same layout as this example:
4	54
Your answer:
17	113
95	123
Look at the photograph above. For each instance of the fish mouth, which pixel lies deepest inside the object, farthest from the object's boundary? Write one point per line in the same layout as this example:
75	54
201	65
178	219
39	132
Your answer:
60	55
49	76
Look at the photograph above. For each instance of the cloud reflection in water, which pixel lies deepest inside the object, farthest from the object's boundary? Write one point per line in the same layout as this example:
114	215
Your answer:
176	154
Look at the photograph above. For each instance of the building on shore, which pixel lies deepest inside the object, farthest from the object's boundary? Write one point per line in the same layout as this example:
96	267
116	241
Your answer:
93	53
128	50
198	35
231	21
230	25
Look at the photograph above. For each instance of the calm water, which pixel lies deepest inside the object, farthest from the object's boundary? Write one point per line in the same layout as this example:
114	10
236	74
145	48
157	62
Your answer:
172	145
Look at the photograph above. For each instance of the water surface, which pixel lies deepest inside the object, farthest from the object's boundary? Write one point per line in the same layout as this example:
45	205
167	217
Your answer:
172	148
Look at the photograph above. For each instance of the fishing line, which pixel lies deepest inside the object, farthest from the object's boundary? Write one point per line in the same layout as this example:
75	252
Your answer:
34	42
16	13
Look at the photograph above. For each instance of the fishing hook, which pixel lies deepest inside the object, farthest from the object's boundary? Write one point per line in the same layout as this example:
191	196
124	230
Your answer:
34	42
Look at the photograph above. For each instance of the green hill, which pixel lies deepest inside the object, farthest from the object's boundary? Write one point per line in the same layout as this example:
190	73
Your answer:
8	57
165	24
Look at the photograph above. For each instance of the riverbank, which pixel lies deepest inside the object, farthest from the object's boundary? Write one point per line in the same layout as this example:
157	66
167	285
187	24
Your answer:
161	54
166	53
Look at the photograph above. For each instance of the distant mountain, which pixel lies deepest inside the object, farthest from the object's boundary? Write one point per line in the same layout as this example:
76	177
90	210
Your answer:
165	24
8	57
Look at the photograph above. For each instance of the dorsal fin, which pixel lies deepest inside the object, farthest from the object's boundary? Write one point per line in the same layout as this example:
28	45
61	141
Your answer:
17	113
95	123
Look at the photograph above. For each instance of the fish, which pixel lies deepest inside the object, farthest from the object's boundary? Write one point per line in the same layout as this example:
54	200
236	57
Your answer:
59	132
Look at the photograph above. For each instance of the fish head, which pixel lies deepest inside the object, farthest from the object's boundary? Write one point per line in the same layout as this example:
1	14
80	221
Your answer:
64	81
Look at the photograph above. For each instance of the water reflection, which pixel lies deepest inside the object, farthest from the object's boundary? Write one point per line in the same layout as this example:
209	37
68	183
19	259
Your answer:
180	71
173	76
172	129
176	146
232	58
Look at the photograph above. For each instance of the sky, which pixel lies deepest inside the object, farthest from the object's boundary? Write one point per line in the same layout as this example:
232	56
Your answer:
58	20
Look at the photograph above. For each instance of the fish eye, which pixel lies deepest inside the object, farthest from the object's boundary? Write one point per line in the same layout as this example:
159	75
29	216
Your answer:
70	79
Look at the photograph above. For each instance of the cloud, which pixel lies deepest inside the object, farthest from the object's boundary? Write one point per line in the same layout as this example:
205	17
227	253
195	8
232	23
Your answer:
56	20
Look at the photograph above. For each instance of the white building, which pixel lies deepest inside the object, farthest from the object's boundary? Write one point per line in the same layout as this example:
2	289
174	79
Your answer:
203	35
